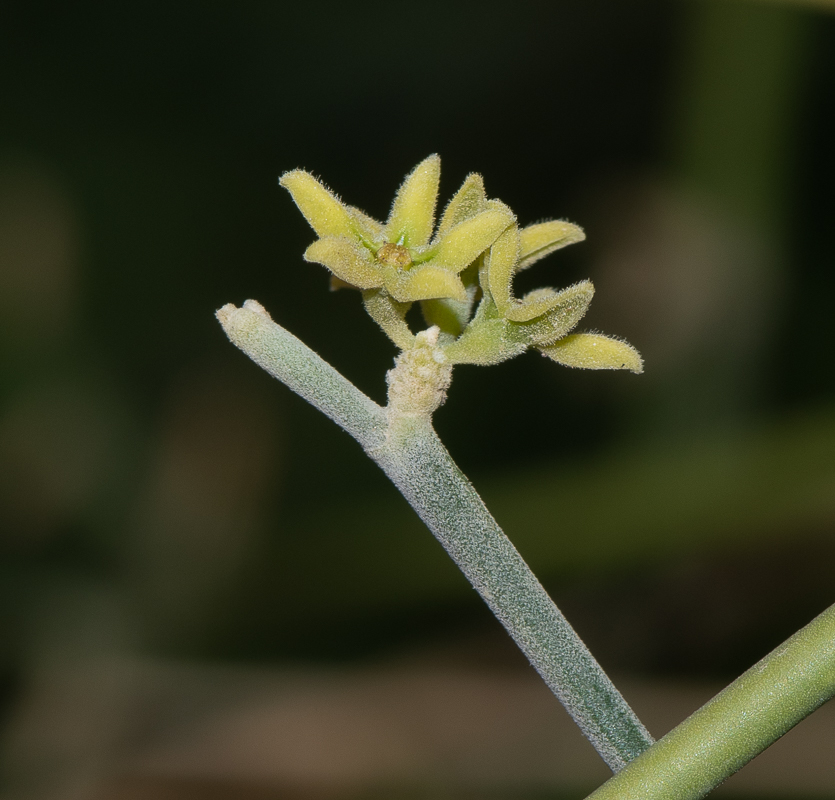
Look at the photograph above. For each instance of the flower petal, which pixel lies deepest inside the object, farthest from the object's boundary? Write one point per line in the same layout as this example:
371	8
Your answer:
533	305
325	213
594	351
367	227
538	241
413	213
500	265
426	282
348	260
567	308
498	268
468	201
464	243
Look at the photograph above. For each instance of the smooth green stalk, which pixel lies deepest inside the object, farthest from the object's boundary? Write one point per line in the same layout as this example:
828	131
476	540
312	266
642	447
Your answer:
402	442
738	724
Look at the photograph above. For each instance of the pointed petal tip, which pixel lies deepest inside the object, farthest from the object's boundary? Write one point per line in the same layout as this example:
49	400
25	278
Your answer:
322	209
287	179
468	201
412	216
574	228
595	351
543	238
430	164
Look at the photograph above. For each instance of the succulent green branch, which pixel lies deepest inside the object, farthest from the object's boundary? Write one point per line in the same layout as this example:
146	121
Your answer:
402	441
738	724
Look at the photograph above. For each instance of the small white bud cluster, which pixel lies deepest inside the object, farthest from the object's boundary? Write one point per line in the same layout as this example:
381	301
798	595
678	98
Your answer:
418	383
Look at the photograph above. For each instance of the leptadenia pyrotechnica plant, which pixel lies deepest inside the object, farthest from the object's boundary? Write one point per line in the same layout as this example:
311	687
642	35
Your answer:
461	273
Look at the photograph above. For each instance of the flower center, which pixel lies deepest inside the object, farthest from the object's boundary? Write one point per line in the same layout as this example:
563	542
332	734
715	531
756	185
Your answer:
394	255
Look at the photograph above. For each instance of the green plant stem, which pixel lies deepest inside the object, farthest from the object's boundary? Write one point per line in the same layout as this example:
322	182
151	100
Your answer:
736	725
422	469
290	360
416	461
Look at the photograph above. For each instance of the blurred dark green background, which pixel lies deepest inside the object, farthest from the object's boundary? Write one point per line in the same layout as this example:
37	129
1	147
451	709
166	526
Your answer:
161	498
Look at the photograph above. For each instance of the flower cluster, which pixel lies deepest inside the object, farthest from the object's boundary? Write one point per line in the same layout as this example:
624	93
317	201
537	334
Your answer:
462	276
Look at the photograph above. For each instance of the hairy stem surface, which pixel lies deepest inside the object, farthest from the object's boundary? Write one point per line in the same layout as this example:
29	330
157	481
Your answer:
420	466
413	457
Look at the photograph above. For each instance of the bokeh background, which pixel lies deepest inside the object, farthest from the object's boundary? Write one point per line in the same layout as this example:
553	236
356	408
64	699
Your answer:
206	591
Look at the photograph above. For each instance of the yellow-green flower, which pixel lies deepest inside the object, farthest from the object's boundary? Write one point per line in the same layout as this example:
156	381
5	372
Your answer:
504	326
475	253
399	258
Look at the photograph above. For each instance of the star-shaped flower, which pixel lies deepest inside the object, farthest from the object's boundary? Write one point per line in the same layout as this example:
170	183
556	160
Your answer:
400	257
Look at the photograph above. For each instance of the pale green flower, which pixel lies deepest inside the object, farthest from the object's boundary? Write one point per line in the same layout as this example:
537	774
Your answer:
472	259
504	326
399	258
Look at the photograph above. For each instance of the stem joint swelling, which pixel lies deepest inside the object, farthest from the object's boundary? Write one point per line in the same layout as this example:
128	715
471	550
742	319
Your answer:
418	383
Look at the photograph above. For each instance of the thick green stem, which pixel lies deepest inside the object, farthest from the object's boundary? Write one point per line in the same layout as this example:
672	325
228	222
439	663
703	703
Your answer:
408	450
738	724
